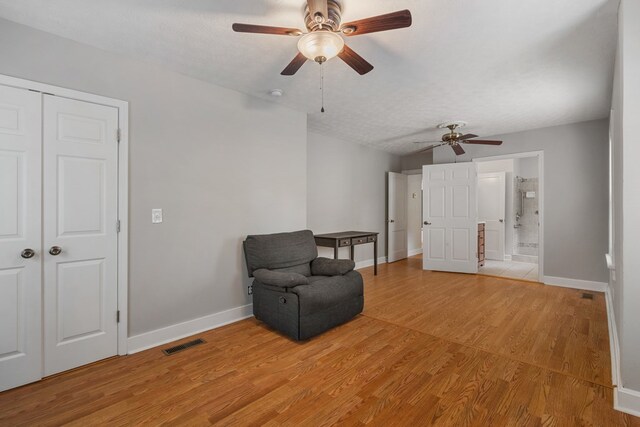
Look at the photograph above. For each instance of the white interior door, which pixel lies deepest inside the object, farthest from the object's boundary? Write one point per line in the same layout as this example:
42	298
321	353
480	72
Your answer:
397	217
80	213
20	237
450	217
491	210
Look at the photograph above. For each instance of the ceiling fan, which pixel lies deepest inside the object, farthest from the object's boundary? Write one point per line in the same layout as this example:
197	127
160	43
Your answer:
454	138
323	40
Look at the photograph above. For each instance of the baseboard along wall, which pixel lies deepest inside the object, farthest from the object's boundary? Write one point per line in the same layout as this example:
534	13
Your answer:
178	331
624	399
587	285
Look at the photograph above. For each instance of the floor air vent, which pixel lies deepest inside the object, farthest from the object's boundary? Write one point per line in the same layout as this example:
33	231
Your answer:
587	296
173	350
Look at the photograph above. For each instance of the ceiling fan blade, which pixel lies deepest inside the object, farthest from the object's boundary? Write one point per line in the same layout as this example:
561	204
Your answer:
467	136
294	65
458	149
482	141
390	21
355	61
318	6
263	29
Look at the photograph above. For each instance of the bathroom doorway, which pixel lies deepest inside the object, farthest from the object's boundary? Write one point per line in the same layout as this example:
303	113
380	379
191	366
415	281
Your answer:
510	207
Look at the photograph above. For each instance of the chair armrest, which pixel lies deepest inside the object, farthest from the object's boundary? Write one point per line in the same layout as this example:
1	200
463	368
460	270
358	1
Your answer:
331	267
281	279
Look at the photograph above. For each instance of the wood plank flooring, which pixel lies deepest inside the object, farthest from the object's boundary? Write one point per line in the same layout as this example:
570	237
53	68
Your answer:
429	349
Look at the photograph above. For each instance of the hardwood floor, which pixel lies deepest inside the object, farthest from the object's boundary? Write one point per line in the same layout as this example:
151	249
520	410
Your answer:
430	348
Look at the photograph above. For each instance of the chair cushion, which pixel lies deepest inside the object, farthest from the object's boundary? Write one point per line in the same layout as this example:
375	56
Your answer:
304	269
280	250
331	267
322	294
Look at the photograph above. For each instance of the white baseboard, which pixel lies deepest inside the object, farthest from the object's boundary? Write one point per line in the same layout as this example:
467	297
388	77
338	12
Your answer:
369	262
614	344
507	257
626	400
175	332
587	285
416	251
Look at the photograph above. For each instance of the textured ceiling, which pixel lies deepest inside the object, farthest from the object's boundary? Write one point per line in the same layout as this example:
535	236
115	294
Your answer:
500	65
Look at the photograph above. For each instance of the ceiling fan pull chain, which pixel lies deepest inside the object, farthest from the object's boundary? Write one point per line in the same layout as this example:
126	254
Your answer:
322	85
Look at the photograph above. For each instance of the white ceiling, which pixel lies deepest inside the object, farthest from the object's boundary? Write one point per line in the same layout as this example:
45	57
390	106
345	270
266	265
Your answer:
500	65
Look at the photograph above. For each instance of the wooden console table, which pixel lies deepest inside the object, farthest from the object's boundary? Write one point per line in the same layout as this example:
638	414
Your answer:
351	239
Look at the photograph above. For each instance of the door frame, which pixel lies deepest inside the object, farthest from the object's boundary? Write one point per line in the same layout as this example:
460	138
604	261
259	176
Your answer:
540	156
123	185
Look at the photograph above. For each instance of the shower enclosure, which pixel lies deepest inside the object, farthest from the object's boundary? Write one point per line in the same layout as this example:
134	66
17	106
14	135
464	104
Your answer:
525	244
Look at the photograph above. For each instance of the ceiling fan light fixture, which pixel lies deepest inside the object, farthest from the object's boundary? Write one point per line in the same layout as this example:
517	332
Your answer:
320	45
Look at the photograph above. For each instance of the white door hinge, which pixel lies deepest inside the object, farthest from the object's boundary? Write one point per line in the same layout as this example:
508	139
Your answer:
118	135
118	226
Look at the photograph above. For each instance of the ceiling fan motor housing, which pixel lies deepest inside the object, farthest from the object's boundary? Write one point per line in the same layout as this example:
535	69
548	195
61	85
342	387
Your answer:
331	22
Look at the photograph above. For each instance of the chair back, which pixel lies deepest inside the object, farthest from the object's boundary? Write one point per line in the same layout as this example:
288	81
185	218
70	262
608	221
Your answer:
292	251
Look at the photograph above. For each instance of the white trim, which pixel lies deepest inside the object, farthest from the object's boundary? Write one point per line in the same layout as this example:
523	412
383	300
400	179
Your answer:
626	400
507	257
540	155
369	262
614	345
123	236
123	184
413	252
586	285
175	332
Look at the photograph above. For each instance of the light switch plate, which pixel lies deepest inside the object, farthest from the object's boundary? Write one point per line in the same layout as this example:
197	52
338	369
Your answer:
156	216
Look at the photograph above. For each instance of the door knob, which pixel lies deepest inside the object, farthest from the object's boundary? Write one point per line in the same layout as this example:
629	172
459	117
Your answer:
391	220
55	250
27	253
426	223
501	220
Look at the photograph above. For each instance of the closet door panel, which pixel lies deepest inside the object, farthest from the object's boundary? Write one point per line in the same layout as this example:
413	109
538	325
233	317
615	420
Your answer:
20	237
80	211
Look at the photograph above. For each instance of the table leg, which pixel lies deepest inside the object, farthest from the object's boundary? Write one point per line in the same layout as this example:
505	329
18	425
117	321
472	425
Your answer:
375	257
335	251
352	251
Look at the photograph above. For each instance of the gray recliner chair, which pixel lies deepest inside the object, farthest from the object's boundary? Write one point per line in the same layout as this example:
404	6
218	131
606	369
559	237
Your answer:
294	291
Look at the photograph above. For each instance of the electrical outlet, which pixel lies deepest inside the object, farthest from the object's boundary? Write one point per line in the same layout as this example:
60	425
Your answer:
156	216
250	289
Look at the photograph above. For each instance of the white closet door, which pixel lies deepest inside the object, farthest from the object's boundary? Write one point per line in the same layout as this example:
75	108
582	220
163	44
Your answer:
80	212
20	231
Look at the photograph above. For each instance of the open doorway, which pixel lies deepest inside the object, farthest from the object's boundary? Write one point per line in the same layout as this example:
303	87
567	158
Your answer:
510	209
404	214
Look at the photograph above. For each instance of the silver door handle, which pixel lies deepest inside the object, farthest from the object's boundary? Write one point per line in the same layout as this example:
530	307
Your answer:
501	220
27	253
426	223
55	250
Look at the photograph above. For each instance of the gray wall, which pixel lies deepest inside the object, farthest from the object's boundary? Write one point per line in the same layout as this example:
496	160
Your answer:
576	193
526	167
346	190
220	164
625	280
416	161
